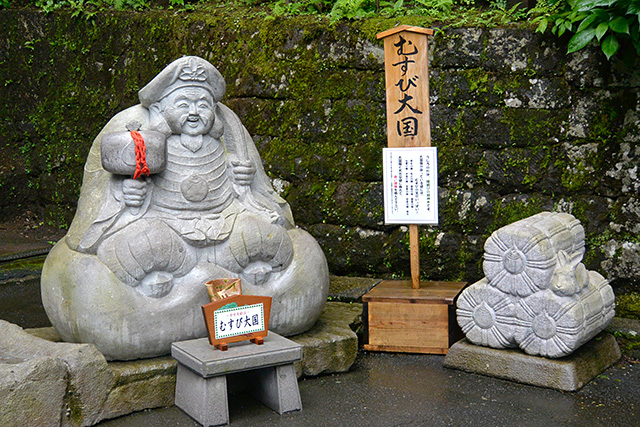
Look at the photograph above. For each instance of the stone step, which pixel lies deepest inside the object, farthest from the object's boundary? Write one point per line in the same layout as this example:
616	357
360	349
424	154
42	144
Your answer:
350	289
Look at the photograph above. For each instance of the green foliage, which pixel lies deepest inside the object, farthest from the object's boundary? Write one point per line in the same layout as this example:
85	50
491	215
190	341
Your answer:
612	23
88	8
454	13
351	9
462	12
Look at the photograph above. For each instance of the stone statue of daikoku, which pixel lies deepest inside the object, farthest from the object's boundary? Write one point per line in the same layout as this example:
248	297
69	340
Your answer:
129	275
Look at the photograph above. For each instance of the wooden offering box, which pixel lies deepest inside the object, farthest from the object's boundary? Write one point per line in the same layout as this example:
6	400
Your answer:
407	320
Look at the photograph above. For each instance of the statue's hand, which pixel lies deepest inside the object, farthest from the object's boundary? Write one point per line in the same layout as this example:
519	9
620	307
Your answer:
243	171
134	192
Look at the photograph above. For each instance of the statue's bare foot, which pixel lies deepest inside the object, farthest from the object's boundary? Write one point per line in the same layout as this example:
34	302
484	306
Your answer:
156	284
257	272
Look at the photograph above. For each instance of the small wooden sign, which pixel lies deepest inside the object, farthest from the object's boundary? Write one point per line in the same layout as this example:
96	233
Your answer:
402	316
237	318
406	65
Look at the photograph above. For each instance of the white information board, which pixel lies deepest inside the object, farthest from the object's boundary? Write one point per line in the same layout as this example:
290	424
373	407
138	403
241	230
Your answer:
234	321
410	185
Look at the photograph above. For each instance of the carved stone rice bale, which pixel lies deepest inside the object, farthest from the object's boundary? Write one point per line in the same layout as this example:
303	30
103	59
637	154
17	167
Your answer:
549	325
486	315
520	258
599	305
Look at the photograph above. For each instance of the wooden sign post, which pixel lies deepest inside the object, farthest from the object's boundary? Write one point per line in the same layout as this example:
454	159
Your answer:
408	121
402	316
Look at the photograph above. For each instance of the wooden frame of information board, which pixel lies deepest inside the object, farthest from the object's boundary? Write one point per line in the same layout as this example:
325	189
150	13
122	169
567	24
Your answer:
256	337
402	316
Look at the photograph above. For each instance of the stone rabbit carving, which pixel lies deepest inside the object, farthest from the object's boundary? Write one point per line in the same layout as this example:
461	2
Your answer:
570	276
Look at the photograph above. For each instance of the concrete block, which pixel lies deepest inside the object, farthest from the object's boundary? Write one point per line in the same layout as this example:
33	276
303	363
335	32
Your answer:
277	388
199	356
569	373
203	372
203	399
350	288
141	384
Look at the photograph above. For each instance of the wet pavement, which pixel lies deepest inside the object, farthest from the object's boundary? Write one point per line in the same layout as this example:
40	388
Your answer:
386	389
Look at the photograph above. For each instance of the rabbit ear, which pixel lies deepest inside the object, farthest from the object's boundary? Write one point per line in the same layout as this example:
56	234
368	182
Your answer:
563	259
566	260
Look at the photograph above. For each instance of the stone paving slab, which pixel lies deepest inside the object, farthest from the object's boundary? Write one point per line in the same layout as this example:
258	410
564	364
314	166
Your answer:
569	373
412	390
199	356
350	289
331	345
20	239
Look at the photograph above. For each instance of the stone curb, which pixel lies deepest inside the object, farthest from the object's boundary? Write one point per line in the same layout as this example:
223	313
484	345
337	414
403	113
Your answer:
568	373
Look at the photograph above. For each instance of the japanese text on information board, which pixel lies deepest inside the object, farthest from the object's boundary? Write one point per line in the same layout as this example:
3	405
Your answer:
234	321
408	82
410	185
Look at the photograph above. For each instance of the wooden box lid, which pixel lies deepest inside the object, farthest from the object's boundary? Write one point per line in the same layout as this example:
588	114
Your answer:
400	291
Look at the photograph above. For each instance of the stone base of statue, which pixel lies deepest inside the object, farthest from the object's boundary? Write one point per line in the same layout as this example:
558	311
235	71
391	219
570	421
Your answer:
87	303
568	373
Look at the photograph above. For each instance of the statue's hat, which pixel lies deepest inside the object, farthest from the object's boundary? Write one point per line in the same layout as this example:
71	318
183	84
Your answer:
188	71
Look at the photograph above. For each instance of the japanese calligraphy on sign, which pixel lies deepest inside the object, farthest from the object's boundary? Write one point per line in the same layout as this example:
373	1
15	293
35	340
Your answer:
407	82
410	185
235	321
237	318
406	72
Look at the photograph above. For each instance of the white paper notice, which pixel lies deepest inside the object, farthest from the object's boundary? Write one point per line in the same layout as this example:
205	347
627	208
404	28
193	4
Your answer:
410	185
234	321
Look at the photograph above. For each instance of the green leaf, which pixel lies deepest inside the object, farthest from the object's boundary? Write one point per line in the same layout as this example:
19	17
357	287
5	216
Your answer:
586	5
637	46
601	29
634	8
610	46
542	27
620	25
602	14
635	34
586	22
581	39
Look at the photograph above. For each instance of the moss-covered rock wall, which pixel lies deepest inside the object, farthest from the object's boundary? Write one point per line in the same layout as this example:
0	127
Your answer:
520	127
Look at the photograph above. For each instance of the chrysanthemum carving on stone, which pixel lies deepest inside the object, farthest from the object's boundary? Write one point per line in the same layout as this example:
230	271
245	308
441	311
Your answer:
485	315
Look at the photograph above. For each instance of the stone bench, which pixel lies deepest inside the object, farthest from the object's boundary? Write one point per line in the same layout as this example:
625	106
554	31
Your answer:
203	373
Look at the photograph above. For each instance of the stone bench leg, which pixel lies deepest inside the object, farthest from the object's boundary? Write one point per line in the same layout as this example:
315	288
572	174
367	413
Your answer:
204	399
277	388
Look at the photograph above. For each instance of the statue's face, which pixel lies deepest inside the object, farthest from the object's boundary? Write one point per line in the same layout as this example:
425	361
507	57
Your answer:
190	111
